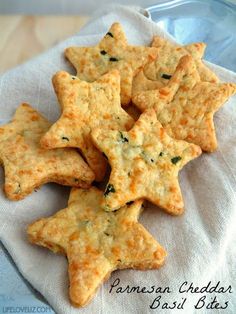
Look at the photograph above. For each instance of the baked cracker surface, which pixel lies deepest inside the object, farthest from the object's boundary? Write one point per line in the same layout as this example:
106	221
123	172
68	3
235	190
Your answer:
168	57
112	52
186	105
144	164
96	242
85	106
27	166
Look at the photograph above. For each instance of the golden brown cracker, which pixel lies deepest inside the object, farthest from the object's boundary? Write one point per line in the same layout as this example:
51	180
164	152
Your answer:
186	105
185	73
168	57
144	164
112	52
28	166
96	242
85	106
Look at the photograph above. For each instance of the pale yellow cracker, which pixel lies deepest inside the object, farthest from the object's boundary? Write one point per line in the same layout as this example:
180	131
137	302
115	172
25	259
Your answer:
28	166
96	242
168	57
85	106
113	52
186	105
144	164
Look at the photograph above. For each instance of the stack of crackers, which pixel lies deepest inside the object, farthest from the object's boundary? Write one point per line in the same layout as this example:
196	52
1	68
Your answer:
146	112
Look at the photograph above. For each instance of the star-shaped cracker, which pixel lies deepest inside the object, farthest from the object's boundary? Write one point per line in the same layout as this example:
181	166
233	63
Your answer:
144	164
146	92
28	166
169	55
113	52
85	106
185	107
96	242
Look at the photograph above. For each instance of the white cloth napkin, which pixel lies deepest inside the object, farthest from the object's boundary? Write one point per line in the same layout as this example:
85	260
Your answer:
200	243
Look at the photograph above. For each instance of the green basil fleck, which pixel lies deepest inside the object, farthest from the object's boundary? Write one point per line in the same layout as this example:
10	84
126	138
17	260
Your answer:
146	157
110	189
166	76
65	138
84	223
161	154
109	34
174	160
123	138
113	59
103	52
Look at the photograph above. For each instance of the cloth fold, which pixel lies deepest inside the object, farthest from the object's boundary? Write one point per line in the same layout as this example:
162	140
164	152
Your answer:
200	243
